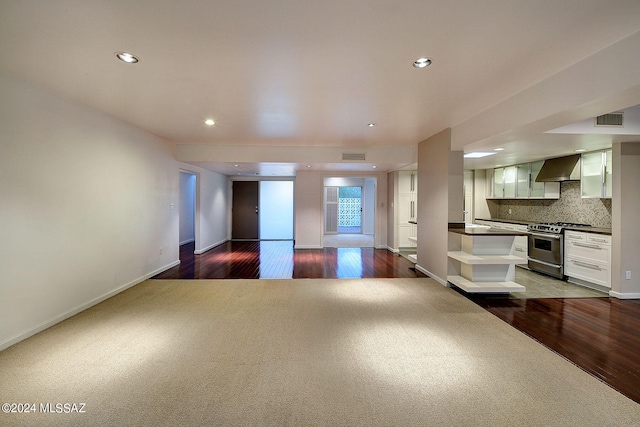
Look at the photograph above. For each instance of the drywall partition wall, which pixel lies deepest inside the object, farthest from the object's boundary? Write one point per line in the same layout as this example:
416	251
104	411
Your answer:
212	208
86	207
625	228
187	208
440	197
369	206
392	190
308	210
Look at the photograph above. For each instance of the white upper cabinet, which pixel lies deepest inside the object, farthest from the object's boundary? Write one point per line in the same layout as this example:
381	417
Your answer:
510	182
596	175
519	182
498	183
522	177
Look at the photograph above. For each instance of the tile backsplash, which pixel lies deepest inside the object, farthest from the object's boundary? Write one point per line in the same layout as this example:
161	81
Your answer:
569	208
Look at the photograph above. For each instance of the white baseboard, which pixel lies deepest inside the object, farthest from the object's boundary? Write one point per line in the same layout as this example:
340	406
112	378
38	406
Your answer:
203	250
431	275
394	250
187	241
622	295
381	247
307	247
24	335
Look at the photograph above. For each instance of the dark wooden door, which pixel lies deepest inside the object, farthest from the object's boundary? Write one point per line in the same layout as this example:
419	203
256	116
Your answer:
244	220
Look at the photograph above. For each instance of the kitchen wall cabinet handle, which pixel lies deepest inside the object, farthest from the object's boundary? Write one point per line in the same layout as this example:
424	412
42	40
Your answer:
586	265
584	245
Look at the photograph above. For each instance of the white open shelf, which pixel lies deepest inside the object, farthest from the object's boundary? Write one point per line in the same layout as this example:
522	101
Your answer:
468	258
484	263
485	287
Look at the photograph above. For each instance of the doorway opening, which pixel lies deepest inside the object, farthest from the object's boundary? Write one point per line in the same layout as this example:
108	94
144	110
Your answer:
262	210
187	208
349	210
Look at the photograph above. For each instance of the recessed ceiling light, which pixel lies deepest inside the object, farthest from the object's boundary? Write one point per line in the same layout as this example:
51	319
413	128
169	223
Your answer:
235	165
308	166
127	57
375	167
498	149
580	150
371	125
477	155
209	122
422	62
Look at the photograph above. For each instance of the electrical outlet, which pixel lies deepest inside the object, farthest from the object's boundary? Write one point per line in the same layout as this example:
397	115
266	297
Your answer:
160	251
509	211
628	275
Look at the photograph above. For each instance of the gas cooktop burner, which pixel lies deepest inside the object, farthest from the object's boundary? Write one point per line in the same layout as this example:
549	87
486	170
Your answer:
554	227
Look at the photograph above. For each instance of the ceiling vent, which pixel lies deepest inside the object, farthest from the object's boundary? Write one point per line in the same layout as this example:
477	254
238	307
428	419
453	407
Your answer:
353	156
611	119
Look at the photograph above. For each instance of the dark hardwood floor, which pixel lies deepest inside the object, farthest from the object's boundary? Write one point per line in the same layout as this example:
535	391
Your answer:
600	335
279	260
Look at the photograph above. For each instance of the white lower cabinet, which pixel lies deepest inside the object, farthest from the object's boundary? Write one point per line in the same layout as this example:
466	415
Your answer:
587	257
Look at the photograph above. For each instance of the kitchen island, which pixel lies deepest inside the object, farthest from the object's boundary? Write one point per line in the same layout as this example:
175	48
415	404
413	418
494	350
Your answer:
482	259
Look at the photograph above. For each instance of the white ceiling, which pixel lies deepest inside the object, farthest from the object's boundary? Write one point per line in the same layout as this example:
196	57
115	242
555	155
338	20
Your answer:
302	73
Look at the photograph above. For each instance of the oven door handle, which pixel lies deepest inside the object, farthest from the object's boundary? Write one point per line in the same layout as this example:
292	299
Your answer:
548	236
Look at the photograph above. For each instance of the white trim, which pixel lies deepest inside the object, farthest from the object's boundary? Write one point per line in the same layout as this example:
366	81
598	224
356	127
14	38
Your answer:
187	241
203	250
307	247
431	275
24	335
394	250
624	295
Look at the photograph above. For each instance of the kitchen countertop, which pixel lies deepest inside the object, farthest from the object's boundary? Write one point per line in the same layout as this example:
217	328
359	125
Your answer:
595	230
482	231
508	221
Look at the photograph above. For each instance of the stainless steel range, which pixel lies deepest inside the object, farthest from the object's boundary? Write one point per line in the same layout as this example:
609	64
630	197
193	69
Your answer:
546	247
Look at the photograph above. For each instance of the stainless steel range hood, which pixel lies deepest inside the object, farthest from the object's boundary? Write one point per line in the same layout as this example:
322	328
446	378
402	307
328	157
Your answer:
559	169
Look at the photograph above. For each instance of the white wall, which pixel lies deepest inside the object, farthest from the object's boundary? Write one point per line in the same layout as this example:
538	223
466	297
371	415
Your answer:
440	201
625	228
187	208
86	207
369	206
392	209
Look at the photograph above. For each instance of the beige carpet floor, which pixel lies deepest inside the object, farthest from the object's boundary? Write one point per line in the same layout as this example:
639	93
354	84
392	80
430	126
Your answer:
371	352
